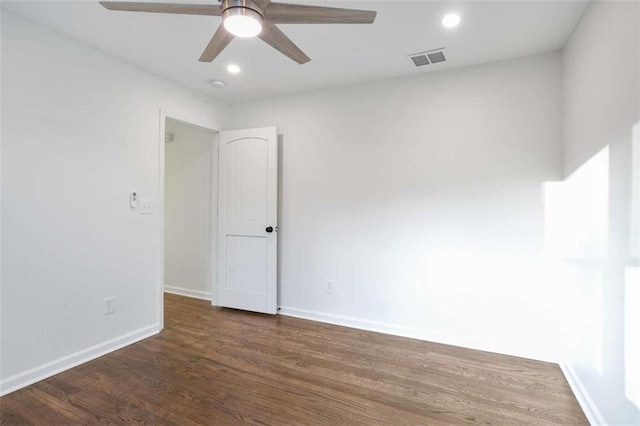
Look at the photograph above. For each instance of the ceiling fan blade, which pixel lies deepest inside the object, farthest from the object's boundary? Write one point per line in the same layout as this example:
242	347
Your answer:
185	9
284	13
278	40
218	42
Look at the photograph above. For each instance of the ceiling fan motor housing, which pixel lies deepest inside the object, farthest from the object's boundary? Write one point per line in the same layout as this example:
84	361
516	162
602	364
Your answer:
245	7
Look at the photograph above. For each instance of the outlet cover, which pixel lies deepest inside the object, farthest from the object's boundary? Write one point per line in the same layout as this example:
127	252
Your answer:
329	286
146	207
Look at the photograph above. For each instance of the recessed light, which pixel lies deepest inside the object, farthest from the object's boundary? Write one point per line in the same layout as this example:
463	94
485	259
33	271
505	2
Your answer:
233	69
451	20
217	83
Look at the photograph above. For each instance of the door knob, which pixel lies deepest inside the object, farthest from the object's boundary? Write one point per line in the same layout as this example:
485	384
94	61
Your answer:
269	229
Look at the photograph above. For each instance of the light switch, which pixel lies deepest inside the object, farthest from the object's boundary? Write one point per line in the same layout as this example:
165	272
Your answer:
133	200
146	207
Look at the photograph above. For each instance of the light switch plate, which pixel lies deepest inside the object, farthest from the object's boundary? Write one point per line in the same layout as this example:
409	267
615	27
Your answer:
109	305
146	207
133	200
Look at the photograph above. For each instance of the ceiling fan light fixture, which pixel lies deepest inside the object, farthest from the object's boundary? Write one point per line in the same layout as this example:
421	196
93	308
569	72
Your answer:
242	22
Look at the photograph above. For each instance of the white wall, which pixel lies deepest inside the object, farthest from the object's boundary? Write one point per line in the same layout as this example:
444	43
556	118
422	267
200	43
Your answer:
601	106
80	130
190	175
421	199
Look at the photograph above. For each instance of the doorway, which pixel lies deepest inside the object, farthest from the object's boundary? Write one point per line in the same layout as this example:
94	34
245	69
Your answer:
189	199
218	215
190	203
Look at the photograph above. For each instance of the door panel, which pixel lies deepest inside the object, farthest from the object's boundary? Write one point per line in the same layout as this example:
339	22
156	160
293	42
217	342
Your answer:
248	176
248	206
246	263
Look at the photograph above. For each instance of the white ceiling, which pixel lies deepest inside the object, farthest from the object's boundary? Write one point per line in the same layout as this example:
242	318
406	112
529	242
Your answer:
170	45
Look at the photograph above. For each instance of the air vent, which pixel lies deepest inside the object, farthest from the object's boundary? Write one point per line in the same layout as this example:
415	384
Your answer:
436	57
420	60
429	57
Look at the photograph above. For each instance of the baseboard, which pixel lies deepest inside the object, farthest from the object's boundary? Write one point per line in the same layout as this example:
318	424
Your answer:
589	407
181	291
413	333
36	374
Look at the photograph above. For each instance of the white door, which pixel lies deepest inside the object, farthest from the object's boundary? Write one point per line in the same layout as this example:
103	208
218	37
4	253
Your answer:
247	227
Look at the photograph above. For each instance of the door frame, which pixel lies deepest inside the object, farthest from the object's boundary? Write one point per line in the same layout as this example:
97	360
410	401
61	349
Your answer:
210	127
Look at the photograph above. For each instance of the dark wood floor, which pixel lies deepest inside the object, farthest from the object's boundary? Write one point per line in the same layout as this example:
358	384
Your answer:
220	366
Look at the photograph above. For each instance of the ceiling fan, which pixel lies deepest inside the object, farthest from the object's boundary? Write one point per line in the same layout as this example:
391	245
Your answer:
251	18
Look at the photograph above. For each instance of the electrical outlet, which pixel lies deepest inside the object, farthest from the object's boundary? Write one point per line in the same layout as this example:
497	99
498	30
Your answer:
109	305
146	207
329	286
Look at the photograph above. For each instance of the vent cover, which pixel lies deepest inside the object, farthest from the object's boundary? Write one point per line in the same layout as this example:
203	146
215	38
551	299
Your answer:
429	57
420	60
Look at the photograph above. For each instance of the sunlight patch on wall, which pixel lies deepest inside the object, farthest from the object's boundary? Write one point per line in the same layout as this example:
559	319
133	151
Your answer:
632	284
479	285
577	236
632	334
577	212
